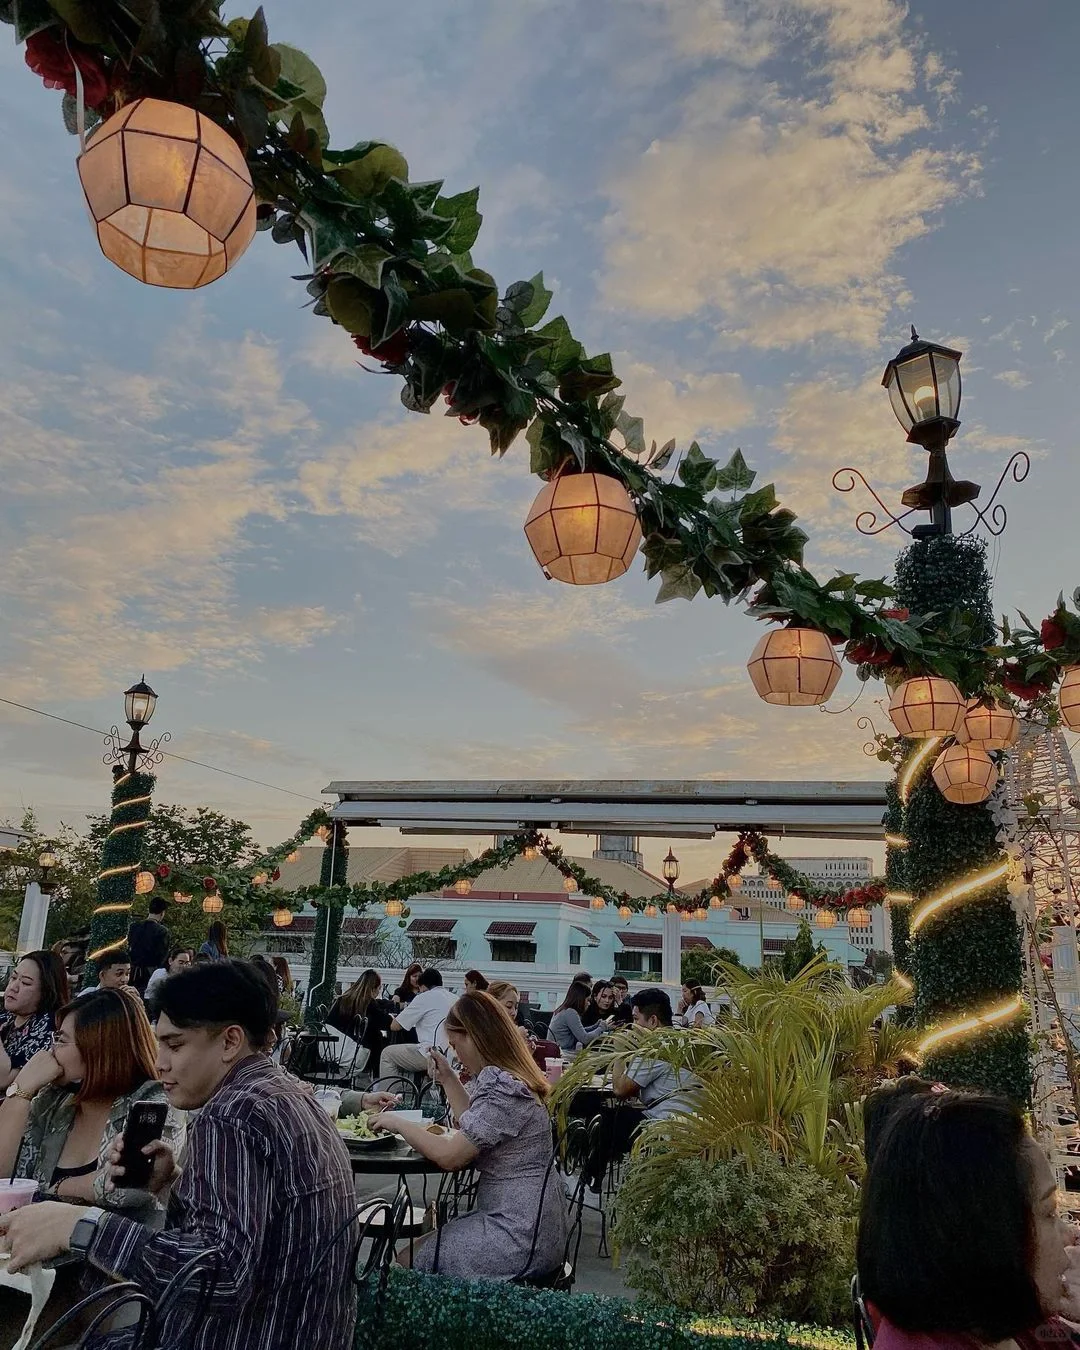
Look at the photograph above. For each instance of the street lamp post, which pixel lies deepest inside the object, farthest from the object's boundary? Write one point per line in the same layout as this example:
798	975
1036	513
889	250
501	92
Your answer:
35	911
671	958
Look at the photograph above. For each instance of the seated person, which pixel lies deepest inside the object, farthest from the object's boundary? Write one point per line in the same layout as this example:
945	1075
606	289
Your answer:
622	1014
113	971
566	1028
475	982
601	1004
504	1131
662	1090
361	1011
265	1181
177	960
694	1010
425	1015
959	1240
37	987
69	1103
409	987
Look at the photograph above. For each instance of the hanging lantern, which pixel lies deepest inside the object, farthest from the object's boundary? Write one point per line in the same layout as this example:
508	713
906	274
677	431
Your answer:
716	902
259	879
294	856
530	852
393	908
583	528
463	886
569	885
990	727
672	908
1069	698
965	774
282	917
795	902
169	192
180	898
824	918
323	832
213	904
773	884
144	883
927	706
650	911
734	881
858	917
598	902
794	667
701	913
685	915
625	911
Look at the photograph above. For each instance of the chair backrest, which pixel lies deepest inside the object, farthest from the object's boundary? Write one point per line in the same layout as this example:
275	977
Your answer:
433	1102
404	1086
185	1301
91	1313
551	1170
864	1326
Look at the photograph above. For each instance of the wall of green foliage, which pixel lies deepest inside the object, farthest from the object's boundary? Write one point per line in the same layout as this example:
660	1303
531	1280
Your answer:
428	1312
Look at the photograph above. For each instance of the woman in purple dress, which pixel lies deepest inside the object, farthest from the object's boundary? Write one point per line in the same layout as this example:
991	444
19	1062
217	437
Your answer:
504	1130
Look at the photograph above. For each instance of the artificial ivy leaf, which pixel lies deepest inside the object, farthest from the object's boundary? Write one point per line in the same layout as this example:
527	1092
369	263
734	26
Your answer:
659	462
546	447
502	429
844	582
736	475
251	117
678	583
80	17
875	589
758	503
32	16
564	350
697	470
590	378
611	405
535	310
397	306
632	430
462	210
300	70
256	35
571	437
663	554
454	309
518	296
370	171
365	262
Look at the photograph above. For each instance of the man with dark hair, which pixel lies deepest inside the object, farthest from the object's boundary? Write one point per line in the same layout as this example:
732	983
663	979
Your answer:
583	977
113	971
424	1015
265	1181
623	1013
661	1089
148	941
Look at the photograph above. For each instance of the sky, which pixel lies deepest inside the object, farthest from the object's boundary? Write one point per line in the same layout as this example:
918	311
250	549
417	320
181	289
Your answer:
746	202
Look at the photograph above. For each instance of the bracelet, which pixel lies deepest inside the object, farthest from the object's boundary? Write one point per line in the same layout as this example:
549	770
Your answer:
17	1091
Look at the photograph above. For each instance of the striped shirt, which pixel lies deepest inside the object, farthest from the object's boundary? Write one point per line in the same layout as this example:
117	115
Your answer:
266	1180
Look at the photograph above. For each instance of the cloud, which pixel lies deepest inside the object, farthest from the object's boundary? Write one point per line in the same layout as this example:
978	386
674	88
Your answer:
1015	379
778	215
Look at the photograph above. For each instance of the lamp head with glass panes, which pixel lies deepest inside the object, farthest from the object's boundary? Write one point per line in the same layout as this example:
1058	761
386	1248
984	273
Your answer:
923	380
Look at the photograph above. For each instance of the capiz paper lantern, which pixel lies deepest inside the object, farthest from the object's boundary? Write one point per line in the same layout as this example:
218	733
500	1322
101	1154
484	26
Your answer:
181	898
282	917
583	528
598	902
1069	698
858	917
625	912
795	902
393	909
927	705
794	667
213	904
824	918
716	902
990	727
701	914
169	192
144	883
965	774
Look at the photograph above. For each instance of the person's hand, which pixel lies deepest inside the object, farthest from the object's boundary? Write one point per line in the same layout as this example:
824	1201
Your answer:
381	1101
440	1067
38	1072
385	1123
163	1172
37	1233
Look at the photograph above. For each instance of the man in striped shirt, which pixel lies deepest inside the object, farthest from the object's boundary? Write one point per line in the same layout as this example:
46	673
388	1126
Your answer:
265	1180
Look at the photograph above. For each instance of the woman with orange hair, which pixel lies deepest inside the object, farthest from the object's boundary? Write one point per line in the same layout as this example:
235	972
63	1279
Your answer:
70	1102
504	1130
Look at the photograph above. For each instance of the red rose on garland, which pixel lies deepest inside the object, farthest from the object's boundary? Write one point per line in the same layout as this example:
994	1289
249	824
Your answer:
275	875
869	653
392	352
1052	634
901	615
1023	687
209	884
162	872
54	60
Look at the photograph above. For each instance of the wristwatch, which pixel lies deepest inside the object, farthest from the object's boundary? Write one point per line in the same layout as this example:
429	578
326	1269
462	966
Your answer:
84	1232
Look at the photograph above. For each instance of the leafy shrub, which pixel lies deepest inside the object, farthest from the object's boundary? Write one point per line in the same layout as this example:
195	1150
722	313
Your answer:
773	1240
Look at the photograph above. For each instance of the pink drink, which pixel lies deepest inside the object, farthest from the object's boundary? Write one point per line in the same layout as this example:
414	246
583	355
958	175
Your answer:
15	1194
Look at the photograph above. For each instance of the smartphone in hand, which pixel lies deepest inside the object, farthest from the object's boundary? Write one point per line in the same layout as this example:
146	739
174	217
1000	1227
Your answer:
145	1122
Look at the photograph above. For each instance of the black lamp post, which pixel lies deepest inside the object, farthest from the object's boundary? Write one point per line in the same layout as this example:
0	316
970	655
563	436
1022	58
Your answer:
139	704
47	862
671	873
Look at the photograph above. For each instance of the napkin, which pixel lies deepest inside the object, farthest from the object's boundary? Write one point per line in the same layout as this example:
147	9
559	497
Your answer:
38	1283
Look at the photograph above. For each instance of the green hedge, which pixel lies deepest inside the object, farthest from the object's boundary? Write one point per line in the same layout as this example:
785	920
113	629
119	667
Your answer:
432	1312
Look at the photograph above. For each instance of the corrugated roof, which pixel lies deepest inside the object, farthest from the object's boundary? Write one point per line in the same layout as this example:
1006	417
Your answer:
654	942
431	926
305	923
371	864
508	928
536	876
585	933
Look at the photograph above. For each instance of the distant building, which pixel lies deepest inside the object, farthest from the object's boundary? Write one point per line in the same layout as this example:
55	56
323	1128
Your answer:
834	873
518	923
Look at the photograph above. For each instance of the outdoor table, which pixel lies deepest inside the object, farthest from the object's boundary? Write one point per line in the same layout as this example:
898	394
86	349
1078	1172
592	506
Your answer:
399	1159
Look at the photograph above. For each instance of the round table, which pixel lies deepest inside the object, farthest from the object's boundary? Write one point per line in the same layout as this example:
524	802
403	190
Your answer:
400	1158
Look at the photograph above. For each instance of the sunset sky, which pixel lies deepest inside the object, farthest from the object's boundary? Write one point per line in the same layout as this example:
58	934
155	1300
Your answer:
746	202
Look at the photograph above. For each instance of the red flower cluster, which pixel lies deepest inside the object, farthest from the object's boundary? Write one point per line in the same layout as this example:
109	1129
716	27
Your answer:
902	615
1018	684
869	652
275	875
162	872
392	352
209	884
1052	634
54	59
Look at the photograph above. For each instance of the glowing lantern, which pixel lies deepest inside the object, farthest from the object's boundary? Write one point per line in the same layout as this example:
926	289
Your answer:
393	908
213	904
530	852
169	192
625	911
282	918
463	886
716	902
824	918
794	667
1069	698
989	727
583	528
773	884
685	915
569	885
927	706
294	856
144	883
259	879
701	913
650	911
672	908
965	774
323	832
180	898
734	881
597	902
795	902
858	917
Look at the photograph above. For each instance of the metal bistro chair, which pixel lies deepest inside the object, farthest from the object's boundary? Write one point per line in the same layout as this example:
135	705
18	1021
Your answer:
100	1306
407	1089
189	1292
380	1223
563	1276
432	1101
864	1326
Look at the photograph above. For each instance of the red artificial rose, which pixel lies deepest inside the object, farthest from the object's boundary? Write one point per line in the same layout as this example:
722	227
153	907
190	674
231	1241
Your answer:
162	872
869	653
392	352
1014	680
901	615
1052	634
209	884
48	55
275	875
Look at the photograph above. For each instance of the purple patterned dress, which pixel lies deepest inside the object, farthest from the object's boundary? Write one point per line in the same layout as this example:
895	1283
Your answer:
512	1131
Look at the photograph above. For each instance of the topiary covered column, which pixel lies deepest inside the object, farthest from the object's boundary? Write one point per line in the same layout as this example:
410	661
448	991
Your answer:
121	858
322	982
966	957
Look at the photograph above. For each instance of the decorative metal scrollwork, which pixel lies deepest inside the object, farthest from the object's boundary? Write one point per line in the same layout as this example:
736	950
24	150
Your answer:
994	516
143	757
866	522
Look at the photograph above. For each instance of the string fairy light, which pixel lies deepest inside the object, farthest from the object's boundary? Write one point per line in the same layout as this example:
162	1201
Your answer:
915	765
967	1026
131	825
112	909
895	840
903	981
118	871
112	947
897	898
960	890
